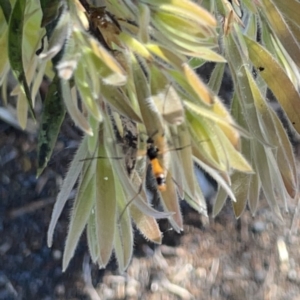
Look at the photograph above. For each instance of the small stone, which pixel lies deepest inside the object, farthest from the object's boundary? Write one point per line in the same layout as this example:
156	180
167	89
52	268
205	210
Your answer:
201	273
226	289
259	275
57	254
292	275
258	227
60	290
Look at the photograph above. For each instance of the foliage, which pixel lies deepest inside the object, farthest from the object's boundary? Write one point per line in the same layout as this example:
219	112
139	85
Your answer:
125	72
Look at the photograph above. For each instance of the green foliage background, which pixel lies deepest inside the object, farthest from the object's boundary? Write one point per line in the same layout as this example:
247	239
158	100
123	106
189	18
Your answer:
124	70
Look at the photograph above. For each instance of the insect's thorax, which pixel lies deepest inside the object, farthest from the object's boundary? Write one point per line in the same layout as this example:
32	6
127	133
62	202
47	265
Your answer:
152	152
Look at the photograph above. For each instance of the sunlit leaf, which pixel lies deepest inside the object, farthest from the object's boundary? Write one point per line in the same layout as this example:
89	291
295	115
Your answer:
70	100
60	34
277	80
186	9
278	24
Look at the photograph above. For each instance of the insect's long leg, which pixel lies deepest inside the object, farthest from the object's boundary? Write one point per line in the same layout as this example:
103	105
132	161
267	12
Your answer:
102	157
135	177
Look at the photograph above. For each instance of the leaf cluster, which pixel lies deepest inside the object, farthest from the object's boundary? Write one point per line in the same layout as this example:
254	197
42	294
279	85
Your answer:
124	70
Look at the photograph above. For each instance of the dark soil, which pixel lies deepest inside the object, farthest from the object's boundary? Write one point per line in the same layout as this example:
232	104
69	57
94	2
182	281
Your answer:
253	258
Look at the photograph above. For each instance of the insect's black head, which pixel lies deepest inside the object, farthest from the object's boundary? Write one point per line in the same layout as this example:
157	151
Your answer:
152	151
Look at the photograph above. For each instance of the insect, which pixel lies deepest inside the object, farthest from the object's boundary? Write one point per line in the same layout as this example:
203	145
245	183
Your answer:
157	169
104	25
152	153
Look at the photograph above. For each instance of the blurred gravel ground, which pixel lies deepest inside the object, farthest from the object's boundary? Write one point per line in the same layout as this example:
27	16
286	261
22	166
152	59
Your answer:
253	258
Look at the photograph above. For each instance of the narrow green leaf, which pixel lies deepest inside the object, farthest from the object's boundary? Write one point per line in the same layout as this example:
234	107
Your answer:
253	193
68	184
70	98
81	211
59	35
281	29
171	204
4	65
119	101
135	46
38	79
22	110
50	10
52	118
238	61
105	203
240	183
144	22
186	9
262	168
171	58
123	238
184	152
219	201
146	225
135	196
196	62
92	237
169	24
235	159
151	117
222	179
110	70
6	8
93	140
286	159
86	93
290	9
277	80
277	178
200	88
15	39
165	96
263	111
216	78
